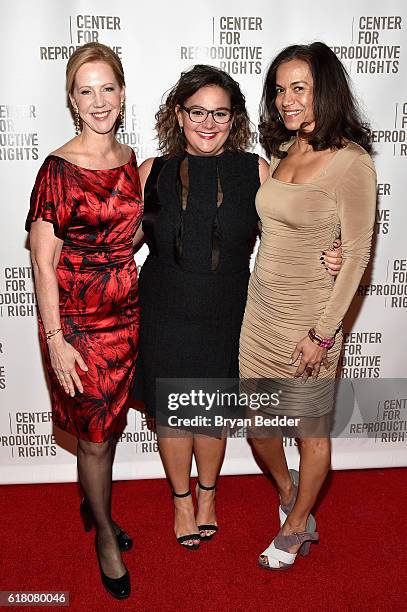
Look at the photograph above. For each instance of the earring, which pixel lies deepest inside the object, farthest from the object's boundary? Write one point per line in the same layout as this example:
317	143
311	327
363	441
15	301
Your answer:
77	122
122	116
181	130
279	117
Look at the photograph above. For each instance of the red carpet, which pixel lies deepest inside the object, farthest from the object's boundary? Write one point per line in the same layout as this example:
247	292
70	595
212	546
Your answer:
359	565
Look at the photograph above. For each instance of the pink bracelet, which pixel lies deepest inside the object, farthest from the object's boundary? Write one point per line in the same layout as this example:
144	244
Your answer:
322	342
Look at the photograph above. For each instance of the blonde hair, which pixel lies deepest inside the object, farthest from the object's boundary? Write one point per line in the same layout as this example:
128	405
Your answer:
93	52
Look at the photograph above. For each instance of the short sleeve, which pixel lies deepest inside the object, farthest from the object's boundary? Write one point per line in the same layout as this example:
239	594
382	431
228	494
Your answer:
356	203
49	199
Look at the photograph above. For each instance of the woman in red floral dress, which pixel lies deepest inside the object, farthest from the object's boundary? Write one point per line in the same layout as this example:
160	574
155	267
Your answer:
85	209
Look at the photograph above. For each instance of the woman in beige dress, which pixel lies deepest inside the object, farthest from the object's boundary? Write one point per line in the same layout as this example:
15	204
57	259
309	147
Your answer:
321	183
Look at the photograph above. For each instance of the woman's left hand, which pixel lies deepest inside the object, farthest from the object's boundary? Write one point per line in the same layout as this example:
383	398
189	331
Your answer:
312	356
332	260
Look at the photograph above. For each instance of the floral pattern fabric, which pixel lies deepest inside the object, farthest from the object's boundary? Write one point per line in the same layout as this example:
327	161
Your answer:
96	214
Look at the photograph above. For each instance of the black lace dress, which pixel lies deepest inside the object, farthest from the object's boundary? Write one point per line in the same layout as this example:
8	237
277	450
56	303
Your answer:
200	223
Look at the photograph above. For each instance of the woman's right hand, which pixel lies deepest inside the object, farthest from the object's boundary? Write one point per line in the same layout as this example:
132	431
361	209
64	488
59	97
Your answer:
63	359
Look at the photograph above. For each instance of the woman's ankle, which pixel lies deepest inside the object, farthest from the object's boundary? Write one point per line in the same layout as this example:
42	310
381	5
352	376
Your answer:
295	524
286	492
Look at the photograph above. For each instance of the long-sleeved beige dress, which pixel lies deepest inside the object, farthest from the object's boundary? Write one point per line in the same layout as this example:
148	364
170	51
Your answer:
289	289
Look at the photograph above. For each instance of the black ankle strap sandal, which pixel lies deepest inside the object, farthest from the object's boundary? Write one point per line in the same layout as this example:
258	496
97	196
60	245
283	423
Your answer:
207	527
189	537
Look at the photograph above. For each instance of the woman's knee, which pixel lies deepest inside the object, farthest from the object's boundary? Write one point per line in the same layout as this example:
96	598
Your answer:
266	442
95	449
321	446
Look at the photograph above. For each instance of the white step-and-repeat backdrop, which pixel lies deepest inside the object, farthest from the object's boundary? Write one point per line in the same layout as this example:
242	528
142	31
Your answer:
156	40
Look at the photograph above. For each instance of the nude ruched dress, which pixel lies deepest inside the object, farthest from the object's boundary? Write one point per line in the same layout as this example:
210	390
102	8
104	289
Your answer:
289	290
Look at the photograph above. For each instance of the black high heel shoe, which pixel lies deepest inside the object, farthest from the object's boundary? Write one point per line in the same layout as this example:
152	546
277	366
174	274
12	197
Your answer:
209	527
189	536
120	588
124	541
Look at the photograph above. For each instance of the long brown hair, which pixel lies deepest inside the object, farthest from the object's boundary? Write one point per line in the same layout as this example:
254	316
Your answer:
336	114
170	139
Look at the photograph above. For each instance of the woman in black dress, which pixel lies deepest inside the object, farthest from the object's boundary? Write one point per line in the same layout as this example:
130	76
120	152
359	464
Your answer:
200	223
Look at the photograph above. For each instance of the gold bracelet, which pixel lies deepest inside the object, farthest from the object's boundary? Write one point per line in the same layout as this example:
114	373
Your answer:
52	332
314	340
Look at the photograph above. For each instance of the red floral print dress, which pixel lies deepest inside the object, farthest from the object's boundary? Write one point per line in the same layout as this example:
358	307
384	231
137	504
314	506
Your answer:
96	214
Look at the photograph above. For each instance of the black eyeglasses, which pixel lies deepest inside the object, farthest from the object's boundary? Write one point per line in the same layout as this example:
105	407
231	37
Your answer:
197	114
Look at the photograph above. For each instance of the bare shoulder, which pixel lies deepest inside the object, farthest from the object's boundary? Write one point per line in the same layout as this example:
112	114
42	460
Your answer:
126	151
264	169
68	151
145	169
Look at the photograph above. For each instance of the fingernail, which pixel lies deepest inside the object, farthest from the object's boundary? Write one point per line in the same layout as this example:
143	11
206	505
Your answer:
322	262
322	258
323	252
326	268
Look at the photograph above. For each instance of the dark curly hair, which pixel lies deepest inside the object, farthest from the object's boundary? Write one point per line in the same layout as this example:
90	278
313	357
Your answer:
170	139
336	114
